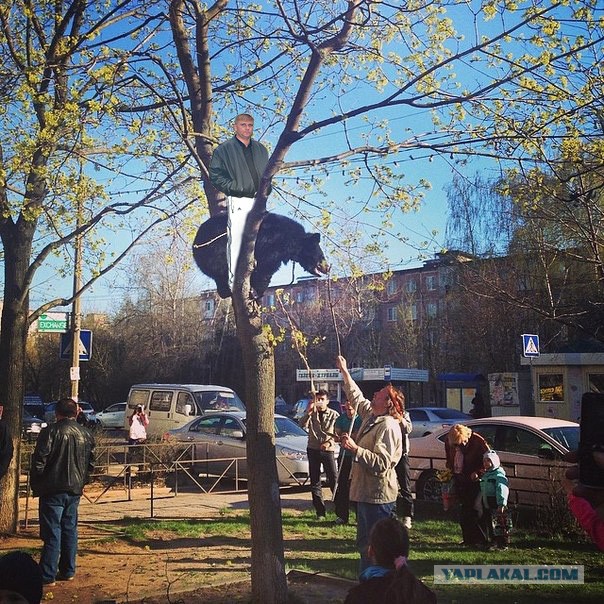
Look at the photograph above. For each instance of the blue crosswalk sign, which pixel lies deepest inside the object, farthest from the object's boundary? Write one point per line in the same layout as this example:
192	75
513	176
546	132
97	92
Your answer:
530	345
84	348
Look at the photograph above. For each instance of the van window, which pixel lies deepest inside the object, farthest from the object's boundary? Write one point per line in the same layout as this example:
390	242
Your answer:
161	400
185	405
138	397
219	400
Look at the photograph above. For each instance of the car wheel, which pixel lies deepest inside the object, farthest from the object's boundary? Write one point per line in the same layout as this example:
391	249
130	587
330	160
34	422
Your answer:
428	487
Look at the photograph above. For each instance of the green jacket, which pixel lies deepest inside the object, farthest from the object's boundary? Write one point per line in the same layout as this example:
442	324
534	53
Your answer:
228	169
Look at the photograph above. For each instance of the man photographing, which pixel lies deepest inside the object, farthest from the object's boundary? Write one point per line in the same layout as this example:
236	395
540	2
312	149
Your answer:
235	170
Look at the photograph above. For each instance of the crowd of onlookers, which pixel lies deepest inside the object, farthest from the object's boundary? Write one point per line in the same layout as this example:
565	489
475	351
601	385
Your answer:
370	476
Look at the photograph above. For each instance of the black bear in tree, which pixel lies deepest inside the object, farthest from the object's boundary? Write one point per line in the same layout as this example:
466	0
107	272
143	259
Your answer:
279	240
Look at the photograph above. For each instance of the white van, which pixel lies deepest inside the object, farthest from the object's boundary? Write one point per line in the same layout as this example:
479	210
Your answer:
171	406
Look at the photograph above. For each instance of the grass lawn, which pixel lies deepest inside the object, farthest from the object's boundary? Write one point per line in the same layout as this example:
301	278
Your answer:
320	547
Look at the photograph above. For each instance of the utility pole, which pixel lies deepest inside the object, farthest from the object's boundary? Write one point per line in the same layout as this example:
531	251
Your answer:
76	316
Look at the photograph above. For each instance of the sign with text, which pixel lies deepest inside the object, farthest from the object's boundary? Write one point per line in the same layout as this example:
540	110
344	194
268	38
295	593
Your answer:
324	375
53	322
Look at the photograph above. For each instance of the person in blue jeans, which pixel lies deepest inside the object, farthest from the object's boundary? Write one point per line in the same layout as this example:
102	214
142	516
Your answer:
61	464
376	450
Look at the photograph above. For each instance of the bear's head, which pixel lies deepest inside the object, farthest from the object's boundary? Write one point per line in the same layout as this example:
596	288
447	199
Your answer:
310	255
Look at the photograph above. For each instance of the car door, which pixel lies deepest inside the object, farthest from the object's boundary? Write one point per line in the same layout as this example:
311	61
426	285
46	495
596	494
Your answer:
532	476
231	445
420	421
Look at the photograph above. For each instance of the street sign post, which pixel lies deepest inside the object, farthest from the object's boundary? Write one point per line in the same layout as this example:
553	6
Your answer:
53	322
85	345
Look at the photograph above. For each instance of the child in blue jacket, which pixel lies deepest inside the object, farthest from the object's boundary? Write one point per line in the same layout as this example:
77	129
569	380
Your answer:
495	491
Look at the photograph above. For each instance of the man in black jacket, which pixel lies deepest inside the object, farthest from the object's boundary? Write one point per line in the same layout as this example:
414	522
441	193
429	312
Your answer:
60	467
236	168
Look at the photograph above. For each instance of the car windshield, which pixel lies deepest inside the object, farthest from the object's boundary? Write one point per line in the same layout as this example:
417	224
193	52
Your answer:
219	400
286	427
567	436
86	406
445	413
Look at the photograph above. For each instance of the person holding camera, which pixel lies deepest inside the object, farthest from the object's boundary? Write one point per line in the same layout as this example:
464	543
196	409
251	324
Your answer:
138	426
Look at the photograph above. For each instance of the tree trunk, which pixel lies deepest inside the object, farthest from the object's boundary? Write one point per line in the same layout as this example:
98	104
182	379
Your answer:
13	337
269	584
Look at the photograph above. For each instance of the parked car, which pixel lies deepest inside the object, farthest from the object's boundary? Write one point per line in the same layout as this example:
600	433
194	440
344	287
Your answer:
221	436
87	410
112	416
300	407
171	406
428	419
31	425
530	449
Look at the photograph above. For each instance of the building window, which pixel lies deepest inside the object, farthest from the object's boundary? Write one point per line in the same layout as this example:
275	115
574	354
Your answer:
300	297
411	286
208	308
551	387
432	309
595	382
430	282
414	312
391	313
270	299
391	287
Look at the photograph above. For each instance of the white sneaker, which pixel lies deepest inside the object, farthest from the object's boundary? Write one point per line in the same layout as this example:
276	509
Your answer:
407	522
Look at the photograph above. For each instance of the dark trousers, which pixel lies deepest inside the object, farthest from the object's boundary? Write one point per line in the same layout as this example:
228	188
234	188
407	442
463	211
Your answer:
404	503
59	533
316	459
342	498
473	527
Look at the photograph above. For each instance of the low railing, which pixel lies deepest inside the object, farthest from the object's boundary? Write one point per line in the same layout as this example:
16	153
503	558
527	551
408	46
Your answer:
122	465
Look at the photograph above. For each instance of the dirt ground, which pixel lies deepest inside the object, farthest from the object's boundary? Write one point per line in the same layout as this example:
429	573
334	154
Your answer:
164	569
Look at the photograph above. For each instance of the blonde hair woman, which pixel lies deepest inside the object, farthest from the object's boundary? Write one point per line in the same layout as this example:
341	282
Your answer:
464	451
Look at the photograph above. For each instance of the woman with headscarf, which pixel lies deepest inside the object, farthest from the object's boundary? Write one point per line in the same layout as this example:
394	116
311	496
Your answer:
464	451
376	450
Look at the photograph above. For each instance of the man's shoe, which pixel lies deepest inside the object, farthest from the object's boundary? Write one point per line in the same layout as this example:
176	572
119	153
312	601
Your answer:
50	583
340	521
407	522
65	578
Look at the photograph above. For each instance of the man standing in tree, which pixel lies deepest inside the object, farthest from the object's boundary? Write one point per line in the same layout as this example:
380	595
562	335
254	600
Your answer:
236	168
60	466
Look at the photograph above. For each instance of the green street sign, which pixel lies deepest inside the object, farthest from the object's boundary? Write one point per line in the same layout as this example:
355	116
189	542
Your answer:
57	322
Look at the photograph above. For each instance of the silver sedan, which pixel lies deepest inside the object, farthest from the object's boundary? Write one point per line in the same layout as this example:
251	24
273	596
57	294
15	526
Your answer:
219	438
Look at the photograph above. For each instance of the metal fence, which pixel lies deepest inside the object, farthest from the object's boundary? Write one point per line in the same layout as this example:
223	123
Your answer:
119	468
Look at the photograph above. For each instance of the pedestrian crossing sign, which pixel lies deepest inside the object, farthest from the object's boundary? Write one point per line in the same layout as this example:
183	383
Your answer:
530	345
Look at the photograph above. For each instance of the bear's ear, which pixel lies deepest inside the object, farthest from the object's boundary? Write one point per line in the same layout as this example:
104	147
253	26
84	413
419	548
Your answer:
314	237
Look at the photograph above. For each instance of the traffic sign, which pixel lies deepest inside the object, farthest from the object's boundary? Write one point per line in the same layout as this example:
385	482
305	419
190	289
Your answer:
53	322
84	348
530	345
